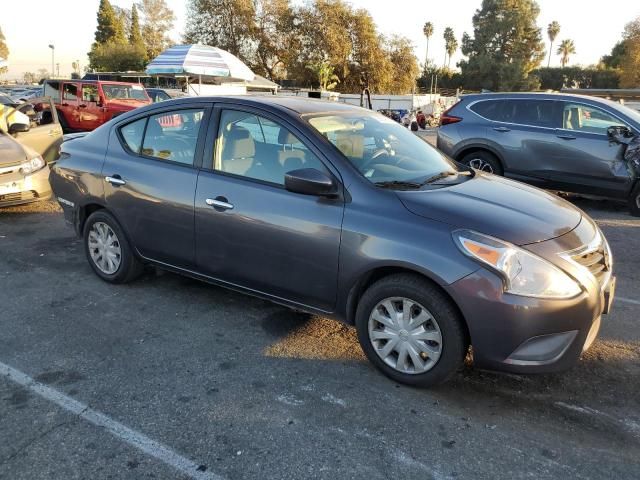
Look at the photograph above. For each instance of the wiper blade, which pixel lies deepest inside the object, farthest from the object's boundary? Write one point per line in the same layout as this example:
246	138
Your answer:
397	183
439	176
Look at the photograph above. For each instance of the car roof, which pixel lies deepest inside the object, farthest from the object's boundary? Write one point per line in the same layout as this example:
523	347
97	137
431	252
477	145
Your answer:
540	95
299	105
74	80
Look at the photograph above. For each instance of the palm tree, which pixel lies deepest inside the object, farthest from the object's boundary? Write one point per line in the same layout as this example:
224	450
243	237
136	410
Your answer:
452	47
428	31
552	31
448	37
565	49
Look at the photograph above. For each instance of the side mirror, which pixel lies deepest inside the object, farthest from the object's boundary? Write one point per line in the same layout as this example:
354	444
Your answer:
618	133
17	128
310	181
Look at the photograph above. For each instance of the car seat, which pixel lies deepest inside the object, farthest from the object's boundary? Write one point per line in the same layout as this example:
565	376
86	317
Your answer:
238	151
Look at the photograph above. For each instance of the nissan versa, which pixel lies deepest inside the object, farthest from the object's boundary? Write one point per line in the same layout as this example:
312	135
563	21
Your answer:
340	211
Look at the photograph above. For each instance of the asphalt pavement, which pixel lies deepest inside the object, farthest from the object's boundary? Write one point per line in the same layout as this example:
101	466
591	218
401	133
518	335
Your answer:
170	378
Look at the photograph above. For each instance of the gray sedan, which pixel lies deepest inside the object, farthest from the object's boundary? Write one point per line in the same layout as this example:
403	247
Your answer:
341	212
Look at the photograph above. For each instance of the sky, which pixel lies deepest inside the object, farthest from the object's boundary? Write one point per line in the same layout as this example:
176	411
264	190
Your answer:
593	27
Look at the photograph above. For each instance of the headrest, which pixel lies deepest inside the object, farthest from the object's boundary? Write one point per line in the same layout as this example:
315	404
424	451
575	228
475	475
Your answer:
239	143
351	144
285	137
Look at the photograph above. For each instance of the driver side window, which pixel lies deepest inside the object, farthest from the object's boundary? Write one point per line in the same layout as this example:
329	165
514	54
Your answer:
584	118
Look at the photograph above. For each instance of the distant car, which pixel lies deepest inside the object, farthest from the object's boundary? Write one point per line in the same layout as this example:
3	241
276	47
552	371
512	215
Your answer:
554	141
84	105
158	95
25	152
337	210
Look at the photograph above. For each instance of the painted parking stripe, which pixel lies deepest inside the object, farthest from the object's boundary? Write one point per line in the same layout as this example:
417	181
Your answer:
627	300
117	429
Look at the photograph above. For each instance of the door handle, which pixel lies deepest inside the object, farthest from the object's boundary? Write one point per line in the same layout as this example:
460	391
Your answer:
65	104
116	181
502	129
566	137
82	105
219	203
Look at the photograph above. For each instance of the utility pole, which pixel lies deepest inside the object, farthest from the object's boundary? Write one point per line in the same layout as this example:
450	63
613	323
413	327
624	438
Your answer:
53	49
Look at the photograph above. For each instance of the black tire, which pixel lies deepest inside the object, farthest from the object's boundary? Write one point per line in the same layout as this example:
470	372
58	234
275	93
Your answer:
454	344
484	161
129	267
634	201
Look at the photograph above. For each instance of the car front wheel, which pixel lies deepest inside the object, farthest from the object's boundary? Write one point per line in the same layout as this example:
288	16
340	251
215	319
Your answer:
108	250
483	161
411	331
634	201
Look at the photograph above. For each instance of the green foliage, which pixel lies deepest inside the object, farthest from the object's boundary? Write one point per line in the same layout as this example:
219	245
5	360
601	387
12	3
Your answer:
4	50
630	65
427	30
616	57
553	30
326	78
577	77
108	28
135	34
565	50
118	57
281	41
158	20
506	46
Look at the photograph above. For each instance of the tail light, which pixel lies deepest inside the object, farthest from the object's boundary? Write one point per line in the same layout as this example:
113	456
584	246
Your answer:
447	119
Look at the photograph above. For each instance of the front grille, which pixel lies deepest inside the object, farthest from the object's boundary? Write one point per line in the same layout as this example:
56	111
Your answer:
18	197
596	260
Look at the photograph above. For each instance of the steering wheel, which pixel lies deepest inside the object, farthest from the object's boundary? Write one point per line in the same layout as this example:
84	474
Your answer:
376	154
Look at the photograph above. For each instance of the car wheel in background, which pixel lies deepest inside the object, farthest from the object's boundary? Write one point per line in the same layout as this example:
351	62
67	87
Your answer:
634	201
108	250
411	331
483	161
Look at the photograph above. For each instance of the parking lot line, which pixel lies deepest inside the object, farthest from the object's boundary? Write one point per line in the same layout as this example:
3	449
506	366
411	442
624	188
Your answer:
117	429
628	300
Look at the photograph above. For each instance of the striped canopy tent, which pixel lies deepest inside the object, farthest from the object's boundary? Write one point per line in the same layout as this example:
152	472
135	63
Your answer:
199	61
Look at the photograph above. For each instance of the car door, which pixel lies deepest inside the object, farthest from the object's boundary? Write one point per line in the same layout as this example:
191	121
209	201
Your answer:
584	161
69	105
90	115
46	136
524	130
150	180
250	230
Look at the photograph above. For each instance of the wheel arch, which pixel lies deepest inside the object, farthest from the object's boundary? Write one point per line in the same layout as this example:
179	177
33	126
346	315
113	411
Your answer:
380	272
467	149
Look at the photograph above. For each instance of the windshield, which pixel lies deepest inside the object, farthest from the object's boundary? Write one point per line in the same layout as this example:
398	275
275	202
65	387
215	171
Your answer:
124	92
630	112
382	150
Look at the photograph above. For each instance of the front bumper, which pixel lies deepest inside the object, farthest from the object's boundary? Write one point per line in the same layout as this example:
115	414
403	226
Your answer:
531	335
21	189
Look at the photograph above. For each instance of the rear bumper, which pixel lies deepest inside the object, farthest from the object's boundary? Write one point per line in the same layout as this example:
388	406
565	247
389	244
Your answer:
522	334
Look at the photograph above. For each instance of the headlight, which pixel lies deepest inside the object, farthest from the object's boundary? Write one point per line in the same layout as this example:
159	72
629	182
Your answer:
35	164
522	272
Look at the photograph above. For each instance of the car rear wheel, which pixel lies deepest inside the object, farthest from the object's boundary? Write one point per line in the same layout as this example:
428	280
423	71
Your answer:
634	201
411	331
483	161
108	250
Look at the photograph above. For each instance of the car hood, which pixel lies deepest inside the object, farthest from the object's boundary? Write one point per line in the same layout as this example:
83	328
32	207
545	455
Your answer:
498	207
11	152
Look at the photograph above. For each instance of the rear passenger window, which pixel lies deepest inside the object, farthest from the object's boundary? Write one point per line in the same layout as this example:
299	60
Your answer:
70	91
256	147
489	109
537	113
173	135
132	134
52	89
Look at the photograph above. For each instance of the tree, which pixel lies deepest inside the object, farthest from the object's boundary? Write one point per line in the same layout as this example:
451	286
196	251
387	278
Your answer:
118	57
107	28
565	50
427	30
630	66
29	78
274	39
506	46
448	36
157	21
451	44
324	73
404	65
616	57
225	24
553	29
4	51
135	34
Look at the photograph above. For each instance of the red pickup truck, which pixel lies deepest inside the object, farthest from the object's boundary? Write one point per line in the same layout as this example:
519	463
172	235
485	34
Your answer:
84	105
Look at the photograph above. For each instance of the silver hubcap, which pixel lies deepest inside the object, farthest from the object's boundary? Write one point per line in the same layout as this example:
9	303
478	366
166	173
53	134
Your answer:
104	248
480	164
405	335
638	201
